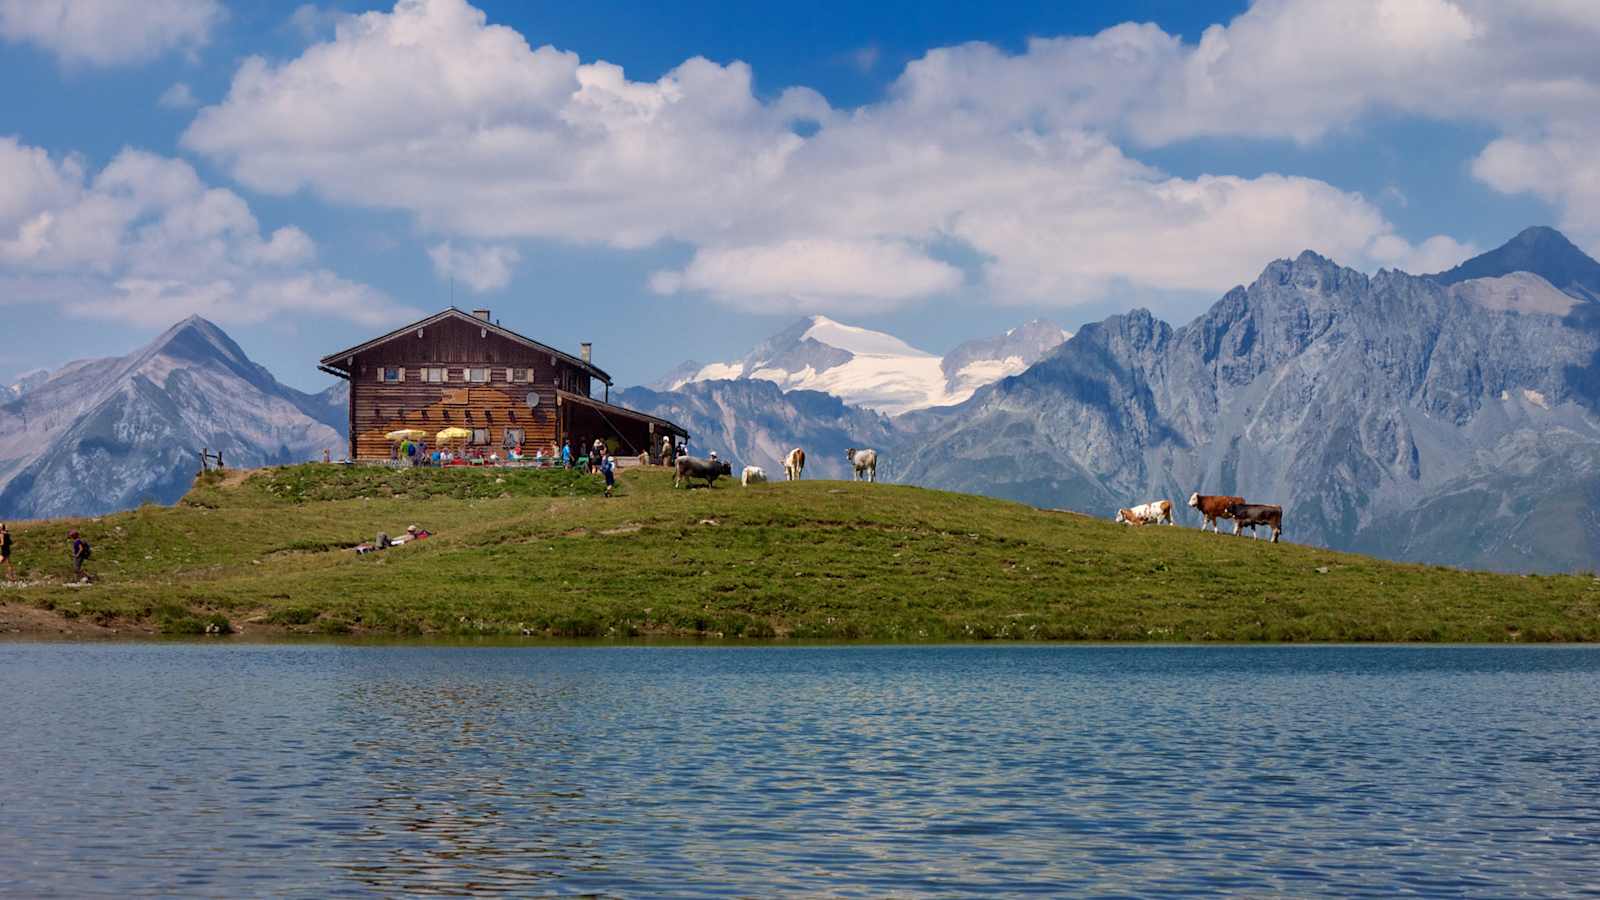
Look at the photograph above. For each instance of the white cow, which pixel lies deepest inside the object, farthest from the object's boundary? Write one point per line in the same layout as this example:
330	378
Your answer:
753	475
864	462
1153	513
794	465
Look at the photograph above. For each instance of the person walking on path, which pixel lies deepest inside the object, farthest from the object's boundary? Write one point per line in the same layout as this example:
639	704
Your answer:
566	455
80	555
5	553
608	468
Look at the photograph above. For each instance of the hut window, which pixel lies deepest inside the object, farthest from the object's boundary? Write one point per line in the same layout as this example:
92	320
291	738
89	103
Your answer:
520	376
434	375
480	435
513	437
393	373
479	376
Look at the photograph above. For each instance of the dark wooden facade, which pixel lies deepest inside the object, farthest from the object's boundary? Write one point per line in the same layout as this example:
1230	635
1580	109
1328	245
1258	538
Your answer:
459	369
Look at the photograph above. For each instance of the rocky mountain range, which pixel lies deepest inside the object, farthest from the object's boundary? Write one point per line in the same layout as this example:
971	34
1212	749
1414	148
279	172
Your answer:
875	370
105	434
1448	418
754	422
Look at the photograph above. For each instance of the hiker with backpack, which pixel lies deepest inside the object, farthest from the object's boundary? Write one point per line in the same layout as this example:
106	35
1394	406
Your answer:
608	468
80	555
5	553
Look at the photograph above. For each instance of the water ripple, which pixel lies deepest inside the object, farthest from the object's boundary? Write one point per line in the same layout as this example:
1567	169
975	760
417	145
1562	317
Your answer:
181	769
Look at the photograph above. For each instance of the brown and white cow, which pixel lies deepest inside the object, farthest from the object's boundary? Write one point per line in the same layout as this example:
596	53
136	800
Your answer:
1249	515
1213	507
1153	513
794	465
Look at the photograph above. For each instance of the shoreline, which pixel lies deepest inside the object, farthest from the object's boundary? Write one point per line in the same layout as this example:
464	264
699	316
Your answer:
21	623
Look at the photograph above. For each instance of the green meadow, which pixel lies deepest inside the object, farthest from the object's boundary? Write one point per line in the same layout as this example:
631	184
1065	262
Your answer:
522	553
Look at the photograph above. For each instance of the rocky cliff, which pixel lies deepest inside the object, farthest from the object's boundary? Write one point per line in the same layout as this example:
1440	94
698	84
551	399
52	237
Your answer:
1444	419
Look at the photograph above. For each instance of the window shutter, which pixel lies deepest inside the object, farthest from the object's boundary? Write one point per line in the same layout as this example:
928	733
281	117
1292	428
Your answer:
402	373
380	373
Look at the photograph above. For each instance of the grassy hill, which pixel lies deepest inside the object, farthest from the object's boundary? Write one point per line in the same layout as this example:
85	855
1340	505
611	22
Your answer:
541	553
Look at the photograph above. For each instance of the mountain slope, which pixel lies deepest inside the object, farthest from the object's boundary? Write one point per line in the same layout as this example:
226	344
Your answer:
25	382
984	361
107	434
873	369
1539	250
813	560
754	422
1408	417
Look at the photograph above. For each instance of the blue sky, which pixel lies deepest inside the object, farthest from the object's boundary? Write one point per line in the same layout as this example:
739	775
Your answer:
310	176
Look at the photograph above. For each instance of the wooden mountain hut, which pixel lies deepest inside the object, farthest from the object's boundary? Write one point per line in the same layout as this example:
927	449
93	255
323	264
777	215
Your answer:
456	369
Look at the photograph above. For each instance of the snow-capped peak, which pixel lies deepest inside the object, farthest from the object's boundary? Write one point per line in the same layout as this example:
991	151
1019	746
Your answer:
859	341
876	370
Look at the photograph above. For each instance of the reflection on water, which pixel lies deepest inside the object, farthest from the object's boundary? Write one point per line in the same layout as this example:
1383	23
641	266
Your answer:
324	770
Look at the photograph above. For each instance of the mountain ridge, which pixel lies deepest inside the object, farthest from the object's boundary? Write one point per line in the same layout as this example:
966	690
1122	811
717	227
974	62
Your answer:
1540	250
874	369
1351	399
103	434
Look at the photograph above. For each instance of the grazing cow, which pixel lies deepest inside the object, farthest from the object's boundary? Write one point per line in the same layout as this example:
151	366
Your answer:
1249	515
692	467
864	462
1153	513
1213	507
794	465
753	475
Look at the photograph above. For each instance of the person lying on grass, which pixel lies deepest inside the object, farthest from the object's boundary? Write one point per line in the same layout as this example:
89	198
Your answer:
383	542
413	533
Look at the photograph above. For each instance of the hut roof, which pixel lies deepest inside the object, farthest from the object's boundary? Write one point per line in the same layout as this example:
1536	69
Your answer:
603	407
337	360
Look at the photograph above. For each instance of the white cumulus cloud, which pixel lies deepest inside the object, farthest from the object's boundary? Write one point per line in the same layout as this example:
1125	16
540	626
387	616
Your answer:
144	240
482	268
820	275
110	32
1026	159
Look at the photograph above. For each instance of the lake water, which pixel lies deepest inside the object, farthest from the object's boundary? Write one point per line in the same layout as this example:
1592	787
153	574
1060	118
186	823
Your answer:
320	770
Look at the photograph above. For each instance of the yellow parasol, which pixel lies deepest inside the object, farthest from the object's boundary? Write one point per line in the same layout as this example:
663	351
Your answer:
453	434
407	434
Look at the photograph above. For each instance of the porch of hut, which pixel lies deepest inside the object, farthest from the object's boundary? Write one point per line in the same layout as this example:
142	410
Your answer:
628	433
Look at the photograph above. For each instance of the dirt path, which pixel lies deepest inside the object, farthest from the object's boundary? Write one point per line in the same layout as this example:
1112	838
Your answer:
21	619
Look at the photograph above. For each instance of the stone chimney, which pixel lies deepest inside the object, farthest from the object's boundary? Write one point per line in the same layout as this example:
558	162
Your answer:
587	352
481	314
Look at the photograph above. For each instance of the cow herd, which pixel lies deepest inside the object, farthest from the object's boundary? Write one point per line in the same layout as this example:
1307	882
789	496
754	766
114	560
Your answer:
863	464
1211	507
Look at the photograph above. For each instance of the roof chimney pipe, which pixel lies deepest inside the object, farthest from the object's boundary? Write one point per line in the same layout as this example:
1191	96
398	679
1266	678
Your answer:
587	352
481	314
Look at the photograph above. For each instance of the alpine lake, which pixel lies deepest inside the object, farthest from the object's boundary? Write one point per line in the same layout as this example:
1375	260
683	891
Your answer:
329	769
